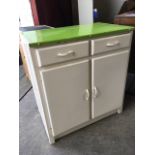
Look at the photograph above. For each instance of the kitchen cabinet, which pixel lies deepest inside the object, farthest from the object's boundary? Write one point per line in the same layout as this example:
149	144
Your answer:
78	78
108	74
67	93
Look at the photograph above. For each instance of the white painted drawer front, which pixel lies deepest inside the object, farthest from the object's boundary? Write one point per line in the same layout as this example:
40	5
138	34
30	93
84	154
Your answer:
110	43
60	53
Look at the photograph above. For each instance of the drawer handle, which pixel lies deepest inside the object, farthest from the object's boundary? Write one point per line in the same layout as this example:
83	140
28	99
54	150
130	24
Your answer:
95	92
71	52
86	95
116	43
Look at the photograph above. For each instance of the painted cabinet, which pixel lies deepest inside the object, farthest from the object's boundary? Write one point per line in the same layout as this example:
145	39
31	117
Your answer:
66	90
80	82
108	74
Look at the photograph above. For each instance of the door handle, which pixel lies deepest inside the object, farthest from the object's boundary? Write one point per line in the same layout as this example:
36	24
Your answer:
86	95
95	92
63	54
113	44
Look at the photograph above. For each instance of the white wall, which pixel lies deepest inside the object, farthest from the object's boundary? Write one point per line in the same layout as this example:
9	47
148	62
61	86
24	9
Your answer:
25	14
85	11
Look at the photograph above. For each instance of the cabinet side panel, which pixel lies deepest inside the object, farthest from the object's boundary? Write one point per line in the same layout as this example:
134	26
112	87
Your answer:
35	83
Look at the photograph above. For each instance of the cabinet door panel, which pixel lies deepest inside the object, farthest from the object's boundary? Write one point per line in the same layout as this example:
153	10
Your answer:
108	80
64	88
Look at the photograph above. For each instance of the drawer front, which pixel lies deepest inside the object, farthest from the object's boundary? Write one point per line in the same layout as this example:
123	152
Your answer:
54	54
110	43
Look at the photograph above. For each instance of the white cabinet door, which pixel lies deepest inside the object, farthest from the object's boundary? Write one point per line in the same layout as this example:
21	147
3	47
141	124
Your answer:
66	90
108	82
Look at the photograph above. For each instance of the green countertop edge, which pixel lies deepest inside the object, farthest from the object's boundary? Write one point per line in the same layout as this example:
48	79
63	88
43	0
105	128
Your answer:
35	45
126	29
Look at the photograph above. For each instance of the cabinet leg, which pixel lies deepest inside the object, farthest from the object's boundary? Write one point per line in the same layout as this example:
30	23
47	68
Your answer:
52	140
119	111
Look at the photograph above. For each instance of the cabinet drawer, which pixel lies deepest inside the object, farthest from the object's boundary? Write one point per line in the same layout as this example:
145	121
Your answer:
110	43
60	53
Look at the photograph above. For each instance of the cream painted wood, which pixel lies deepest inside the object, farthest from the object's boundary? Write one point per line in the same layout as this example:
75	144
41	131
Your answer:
61	53
35	80
66	90
110	43
76	93
114	111
108	82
